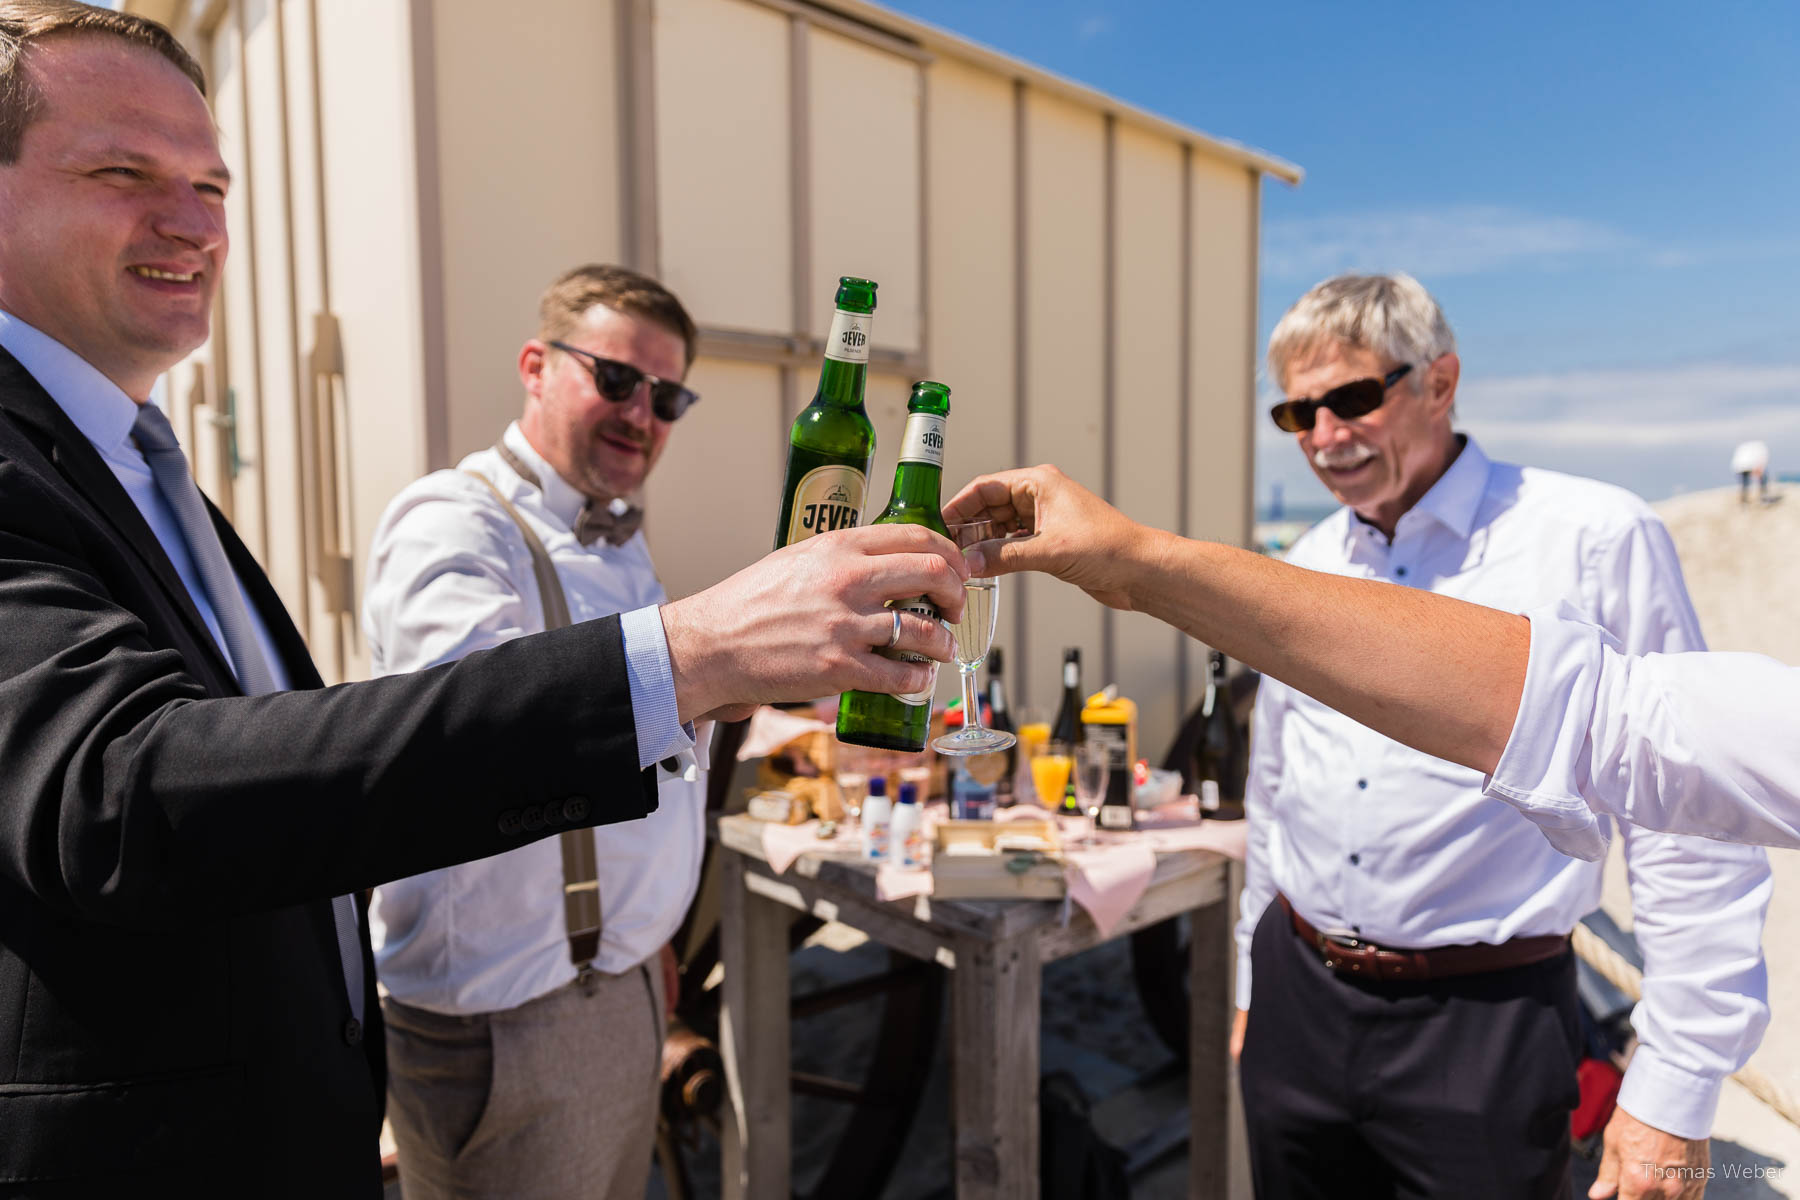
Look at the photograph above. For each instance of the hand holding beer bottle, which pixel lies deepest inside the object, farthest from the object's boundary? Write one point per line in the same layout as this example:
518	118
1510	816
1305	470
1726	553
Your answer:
899	721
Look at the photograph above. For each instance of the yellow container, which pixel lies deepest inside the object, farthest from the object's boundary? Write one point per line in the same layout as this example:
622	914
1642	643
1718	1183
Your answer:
1112	719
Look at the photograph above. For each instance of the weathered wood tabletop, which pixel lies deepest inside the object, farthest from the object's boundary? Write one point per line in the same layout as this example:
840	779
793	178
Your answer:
996	950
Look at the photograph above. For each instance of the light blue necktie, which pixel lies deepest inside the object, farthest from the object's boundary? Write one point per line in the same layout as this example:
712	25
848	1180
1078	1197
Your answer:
169	466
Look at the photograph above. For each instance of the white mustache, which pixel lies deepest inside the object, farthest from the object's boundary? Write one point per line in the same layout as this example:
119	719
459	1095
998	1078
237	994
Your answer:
1336	459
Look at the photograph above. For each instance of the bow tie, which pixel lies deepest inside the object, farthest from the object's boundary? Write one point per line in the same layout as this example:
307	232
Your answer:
616	520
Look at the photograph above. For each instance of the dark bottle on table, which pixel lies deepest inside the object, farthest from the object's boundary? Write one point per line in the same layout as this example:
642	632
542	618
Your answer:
1000	717
832	442
875	718
1221	758
1067	728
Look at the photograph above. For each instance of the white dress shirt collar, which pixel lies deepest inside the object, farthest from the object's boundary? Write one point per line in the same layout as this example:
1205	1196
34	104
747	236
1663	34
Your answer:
561	499
97	405
1454	501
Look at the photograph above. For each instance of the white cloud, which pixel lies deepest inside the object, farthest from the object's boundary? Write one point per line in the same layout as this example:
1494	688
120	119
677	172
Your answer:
1094	26
1432	243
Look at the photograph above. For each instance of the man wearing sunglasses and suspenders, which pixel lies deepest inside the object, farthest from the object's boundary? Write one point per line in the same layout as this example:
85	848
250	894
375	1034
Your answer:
1456	1075
525	991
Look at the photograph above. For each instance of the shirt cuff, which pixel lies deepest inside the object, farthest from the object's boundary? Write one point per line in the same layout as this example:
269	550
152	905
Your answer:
1674	1100
660	732
1243	979
1540	770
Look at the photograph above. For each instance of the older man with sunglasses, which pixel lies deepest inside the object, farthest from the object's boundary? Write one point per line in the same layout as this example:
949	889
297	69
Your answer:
1456	1074
525	991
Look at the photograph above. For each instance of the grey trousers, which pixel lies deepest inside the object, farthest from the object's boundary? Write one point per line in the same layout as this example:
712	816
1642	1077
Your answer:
552	1100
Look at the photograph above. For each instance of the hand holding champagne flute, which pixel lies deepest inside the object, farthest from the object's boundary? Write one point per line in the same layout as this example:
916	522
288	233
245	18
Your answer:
974	634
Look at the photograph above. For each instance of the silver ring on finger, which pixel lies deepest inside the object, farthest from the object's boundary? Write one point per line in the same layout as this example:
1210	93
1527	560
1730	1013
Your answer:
894	637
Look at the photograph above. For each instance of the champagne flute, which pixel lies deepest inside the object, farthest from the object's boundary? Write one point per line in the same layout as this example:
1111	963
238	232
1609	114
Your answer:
1093	764
974	634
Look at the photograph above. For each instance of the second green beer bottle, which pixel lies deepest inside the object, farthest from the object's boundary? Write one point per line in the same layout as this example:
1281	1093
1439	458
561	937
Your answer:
873	718
832	443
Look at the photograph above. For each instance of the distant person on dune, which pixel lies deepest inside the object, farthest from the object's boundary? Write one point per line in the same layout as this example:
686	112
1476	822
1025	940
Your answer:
1751	460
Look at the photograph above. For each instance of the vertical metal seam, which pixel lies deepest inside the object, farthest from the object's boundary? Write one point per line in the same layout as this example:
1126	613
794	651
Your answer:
1247	533
1021	366
306	432
1109	362
1184	467
642	54
427	184
799	208
255	303
319	191
925	305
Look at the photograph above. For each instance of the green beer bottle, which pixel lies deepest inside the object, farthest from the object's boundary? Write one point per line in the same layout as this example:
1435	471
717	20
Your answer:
832	443
873	718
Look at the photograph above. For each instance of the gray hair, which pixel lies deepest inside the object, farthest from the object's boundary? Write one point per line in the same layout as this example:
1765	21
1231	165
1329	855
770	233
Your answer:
1392	315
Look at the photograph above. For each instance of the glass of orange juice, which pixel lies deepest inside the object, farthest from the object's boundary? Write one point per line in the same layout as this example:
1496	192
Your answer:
1050	774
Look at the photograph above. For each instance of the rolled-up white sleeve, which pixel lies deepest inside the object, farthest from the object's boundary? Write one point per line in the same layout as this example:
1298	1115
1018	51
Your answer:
1685	743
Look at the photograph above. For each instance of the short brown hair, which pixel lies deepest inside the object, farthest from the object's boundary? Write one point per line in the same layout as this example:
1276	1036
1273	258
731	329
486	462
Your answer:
567	300
23	22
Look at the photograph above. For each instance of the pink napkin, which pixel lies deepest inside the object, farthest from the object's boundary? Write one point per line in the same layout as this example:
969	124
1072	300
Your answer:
894	882
771	729
782	844
1107	880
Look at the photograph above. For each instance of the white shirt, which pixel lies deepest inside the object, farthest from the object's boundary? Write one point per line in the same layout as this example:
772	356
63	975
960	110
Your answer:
105	416
449	574
1705	744
1370	838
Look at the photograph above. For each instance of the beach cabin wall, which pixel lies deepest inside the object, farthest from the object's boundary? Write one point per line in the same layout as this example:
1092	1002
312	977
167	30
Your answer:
410	175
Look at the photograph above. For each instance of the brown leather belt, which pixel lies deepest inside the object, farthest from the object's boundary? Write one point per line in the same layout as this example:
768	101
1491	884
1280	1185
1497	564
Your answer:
1358	959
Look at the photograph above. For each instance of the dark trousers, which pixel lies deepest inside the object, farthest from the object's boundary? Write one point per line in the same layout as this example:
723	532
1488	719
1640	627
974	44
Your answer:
1456	1087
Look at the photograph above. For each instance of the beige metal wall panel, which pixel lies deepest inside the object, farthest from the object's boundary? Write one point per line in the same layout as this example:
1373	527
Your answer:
1147	456
529	183
379	278
971	275
1223	347
724	210
235	314
1065	182
269	240
713	500
865	202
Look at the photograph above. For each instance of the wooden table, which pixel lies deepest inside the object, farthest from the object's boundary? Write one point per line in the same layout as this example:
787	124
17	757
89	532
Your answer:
996	950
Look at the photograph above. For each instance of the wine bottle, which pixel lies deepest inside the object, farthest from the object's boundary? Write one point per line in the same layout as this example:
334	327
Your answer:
1067	728
1000	717
1221	758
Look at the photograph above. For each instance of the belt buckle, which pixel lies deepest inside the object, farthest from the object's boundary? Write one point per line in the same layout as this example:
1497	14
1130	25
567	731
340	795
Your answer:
1327	943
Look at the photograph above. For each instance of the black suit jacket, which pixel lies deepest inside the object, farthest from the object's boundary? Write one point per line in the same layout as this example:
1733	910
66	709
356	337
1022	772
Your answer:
173	1015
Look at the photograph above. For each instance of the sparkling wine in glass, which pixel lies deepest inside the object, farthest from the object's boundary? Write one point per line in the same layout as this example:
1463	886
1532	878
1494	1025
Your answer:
974	634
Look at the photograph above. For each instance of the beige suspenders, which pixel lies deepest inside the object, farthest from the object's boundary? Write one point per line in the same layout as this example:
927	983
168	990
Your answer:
581	875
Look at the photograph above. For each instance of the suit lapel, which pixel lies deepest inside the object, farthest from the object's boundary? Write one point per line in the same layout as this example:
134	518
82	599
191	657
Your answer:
78	462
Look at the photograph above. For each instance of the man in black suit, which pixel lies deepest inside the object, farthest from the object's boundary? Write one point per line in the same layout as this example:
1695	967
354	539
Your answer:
180	799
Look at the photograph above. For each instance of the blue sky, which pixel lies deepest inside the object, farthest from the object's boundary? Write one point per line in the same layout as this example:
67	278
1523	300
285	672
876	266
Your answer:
1604	197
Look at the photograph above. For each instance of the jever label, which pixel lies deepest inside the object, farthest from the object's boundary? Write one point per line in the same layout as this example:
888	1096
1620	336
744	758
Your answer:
825	499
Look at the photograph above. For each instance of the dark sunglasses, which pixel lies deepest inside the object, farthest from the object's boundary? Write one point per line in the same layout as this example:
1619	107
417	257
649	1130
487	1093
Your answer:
1347	401
618	382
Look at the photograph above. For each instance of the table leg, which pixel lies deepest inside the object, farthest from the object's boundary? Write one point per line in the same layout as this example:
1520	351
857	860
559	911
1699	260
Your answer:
1210	1005
995	1004
753	1039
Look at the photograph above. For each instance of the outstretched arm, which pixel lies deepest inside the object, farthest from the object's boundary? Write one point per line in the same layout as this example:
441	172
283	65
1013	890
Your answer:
1438	674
